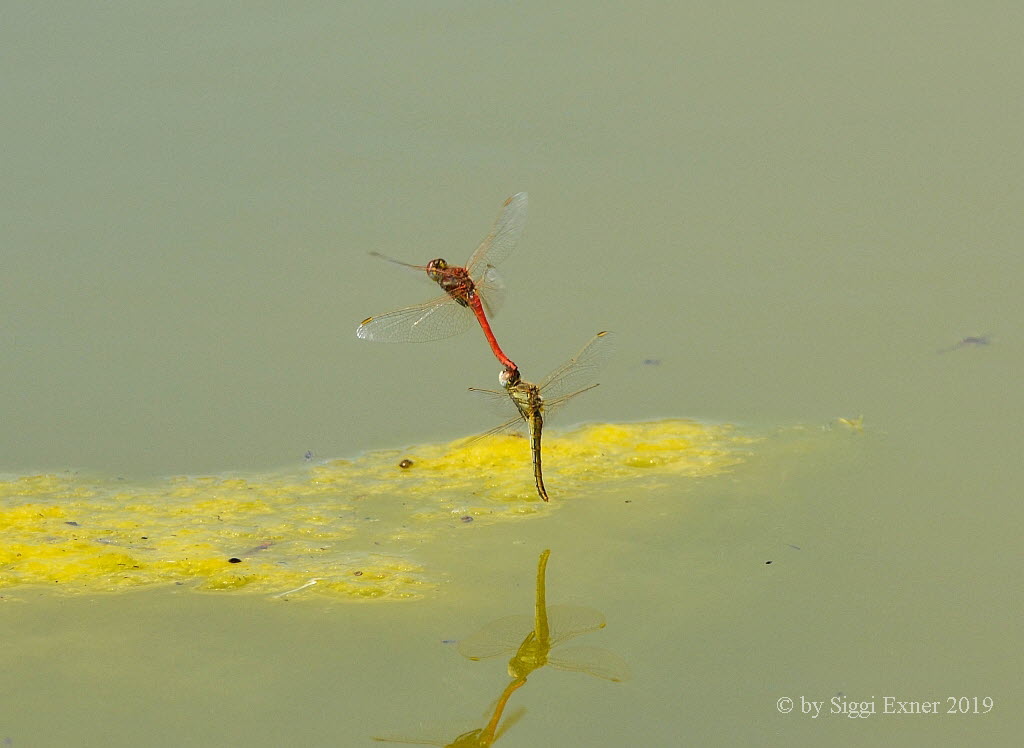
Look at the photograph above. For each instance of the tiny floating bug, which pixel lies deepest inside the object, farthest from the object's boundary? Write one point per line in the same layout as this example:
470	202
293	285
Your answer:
970	340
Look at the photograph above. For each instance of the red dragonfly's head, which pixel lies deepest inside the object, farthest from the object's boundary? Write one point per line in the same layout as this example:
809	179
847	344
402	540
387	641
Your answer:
436	269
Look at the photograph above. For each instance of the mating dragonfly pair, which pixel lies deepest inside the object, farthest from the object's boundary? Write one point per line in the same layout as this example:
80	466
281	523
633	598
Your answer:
476	290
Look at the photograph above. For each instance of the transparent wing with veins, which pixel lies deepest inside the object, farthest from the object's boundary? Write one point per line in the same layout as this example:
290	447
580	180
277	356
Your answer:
503	636
578	373
502	239
592	660
490	287
417	269
572	378
443	316
437	319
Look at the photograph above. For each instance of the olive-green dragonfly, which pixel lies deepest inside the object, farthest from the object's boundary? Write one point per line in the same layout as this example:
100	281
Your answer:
533	402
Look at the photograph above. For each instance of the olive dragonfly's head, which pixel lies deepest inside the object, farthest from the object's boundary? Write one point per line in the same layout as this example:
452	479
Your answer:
508	377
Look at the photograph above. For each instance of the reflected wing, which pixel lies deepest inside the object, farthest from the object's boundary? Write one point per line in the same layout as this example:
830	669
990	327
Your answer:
437	319
567	621
510	721
470	738
408	741
496	638
600	662
498	244
579	372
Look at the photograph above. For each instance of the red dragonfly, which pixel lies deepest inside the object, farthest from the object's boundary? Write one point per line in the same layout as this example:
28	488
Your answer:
473	290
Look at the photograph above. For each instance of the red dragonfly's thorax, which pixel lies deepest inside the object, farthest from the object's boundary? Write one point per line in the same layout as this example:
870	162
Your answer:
454	280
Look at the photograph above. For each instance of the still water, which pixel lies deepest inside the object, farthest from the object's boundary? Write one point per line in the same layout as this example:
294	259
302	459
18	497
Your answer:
790	216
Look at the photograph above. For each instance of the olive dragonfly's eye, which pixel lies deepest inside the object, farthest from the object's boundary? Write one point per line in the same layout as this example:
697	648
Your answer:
508	377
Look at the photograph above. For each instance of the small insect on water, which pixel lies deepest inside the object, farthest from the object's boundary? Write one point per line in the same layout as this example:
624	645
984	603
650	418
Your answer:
406	464
971	341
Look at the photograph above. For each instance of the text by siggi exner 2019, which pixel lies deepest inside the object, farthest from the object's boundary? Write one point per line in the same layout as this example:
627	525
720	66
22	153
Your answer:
841	705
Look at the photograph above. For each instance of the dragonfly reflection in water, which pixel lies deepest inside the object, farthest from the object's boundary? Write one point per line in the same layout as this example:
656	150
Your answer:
482	737
533	402
545	630
475	290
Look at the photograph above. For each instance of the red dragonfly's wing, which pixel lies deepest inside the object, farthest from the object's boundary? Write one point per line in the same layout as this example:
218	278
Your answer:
491	289
436	319
420	270
502	239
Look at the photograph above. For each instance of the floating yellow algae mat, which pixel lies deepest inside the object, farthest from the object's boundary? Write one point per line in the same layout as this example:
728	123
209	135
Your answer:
347	529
